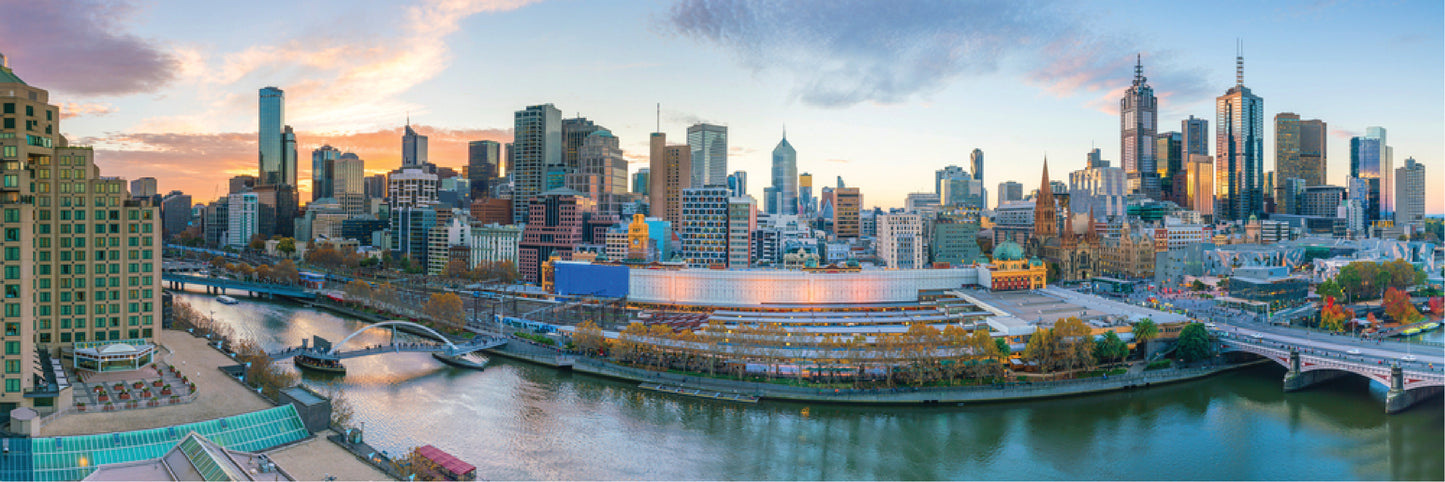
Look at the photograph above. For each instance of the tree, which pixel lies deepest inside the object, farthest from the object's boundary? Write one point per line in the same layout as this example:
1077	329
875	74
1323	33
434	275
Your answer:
1399	307
1003	347
1111	349
341	409
286	272
1436	304
1145	330
1333	316
286	246
261	371
1198	286
1329	289
1194	343
1041	349
446	309
588	338
1076	343
258	242
358	291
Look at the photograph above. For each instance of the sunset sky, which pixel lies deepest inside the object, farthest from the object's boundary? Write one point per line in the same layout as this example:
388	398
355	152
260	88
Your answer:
881	93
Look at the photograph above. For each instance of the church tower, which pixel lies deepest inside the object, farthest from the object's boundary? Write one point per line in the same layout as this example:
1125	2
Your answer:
1045	220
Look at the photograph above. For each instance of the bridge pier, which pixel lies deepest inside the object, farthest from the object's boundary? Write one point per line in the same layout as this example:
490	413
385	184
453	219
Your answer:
1297	379
1398	399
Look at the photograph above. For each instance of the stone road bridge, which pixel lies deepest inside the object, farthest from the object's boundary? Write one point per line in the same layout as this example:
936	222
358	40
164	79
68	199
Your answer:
1408	382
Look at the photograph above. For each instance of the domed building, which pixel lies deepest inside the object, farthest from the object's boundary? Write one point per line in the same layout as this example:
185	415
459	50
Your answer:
1010	271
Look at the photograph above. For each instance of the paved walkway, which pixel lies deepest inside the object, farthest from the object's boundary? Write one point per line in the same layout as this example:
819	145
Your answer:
317	458
219	395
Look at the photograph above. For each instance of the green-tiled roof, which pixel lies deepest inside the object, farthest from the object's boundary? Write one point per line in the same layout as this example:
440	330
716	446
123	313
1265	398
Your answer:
8	76
74	458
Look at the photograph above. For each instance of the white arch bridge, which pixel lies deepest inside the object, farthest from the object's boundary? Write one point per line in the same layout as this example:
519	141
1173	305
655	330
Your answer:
322	350
1408	382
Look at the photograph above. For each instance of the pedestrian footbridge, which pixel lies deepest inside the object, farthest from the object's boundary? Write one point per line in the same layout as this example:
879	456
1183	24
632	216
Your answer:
323	350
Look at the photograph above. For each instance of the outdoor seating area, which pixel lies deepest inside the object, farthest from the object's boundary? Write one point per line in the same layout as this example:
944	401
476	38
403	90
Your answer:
151	386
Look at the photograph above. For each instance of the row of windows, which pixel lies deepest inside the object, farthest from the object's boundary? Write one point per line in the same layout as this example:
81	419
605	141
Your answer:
9	108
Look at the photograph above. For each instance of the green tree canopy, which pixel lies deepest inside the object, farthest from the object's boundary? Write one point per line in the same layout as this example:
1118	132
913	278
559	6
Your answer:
1194	343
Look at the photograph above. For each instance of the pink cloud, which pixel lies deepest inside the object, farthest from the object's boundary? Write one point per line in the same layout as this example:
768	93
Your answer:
81	46
78	109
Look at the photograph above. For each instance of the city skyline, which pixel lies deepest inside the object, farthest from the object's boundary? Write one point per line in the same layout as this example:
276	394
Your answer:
182	94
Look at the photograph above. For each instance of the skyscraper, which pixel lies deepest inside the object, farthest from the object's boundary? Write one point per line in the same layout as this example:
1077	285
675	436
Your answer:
323	165
1095	159
975	159
1012	191
703	226
942	175
805	193
709	145
1299	149
738	183
143	187
1387	170
1239	151
601	162
640	181
1169	158
413	147
1195	132
1200	184
847	209
782	196
670	170
1138	117
1367	176
1410	193
348	183
574	133
272	117
483	159
536	146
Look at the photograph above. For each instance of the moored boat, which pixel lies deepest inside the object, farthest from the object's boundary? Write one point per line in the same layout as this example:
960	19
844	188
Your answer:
465	360
226	300
314	364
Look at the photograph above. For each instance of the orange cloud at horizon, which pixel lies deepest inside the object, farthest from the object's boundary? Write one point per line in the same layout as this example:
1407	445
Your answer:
202	164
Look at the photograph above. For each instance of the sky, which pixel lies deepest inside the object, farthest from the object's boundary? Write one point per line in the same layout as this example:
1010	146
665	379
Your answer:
881	93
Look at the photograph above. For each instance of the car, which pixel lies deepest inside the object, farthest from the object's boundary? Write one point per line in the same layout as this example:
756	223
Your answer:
1257	335
1408	358
1354	351
1209	325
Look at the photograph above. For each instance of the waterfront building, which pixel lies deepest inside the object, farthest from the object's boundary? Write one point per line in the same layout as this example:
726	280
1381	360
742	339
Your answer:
1410	194
176	213
900	241
323	161
554	228
46	308
413	147
1239	151
1300	149
640	181
670	170
143	188
1138	116
1273	285
708	144
782	196
535	149
243	218
847	204
483	160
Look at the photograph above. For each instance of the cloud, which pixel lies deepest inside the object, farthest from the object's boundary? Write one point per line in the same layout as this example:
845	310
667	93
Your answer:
841	53
1344	133
83	46
837	161
78	109
198	162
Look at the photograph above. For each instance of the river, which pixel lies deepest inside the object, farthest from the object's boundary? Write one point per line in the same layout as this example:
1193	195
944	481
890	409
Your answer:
521	421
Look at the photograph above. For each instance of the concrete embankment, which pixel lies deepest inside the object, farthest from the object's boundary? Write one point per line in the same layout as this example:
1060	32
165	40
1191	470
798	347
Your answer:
524	351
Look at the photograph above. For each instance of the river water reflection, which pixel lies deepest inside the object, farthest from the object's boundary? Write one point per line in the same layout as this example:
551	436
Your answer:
520	421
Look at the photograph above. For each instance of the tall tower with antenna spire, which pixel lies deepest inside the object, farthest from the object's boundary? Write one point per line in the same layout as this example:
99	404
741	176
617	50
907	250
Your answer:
1239	150
1138	124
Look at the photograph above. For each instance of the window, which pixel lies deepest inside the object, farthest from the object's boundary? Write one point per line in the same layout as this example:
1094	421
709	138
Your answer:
12	384
12	366
12	348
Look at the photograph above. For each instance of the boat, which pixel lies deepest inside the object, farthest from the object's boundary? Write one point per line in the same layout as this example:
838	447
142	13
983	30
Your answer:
1429	326
226	300
465	360
1410	331
317	365
715	395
